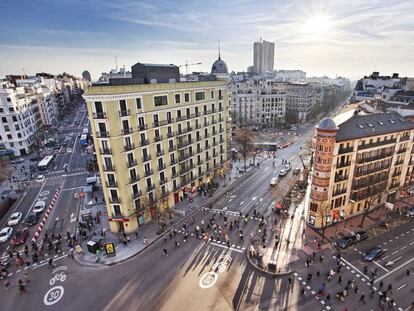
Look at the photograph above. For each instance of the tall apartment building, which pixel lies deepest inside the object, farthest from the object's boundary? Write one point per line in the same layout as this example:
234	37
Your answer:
18	125
301	98
263	56
360	161
156	142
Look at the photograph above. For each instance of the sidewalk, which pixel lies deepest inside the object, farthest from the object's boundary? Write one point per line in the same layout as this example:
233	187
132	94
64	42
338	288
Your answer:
150	232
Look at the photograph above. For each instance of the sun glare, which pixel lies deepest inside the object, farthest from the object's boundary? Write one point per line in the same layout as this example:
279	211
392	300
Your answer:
318	24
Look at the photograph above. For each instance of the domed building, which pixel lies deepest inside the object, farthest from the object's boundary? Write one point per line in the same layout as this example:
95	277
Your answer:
219	68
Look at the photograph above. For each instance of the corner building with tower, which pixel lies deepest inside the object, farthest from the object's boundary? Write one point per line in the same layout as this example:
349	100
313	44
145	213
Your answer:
156	140
360	162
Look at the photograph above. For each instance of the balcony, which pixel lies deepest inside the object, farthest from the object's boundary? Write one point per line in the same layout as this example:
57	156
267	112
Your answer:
129	147
144	142
208	158
207	146
117	216
206	123
198	126
368	182
183	157
176	187
214	121
178	119
153	200
220	98
396	173
124	113
200	162
114	200
170	134
198	138
346	150
150	187
399	162
126	131
160	153
339	178
206	112
221	130
401	150
161	167
158	138
131	163
405	138
174	175
146	158
371	191
199	150
148	172
374	158
99	115
105	150
172	148
133	179
164	194
156	124
339	192
163	181
373	170
143	127
221	119
207	136
111	184
343	164
136	195
377	144
102	134
109	168
173	161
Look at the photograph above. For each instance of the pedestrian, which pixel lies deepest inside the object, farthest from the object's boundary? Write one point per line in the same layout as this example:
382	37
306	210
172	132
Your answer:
381	285
391	303
50	262
302	291
371	282
407	273
328	299
340	279
26	278
165	239
313	255
371	294
165	252
362	299
389	288
356	289
176	244
22	286
321	258
318	273
289	281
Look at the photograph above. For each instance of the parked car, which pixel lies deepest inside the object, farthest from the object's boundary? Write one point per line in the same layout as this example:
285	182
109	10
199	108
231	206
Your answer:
20	237
283	172
32	219
359	236
39	207
344	242
40	178
5	234
68	150
57	146
410	212
35	159
15	218
373	253
274	181
288	167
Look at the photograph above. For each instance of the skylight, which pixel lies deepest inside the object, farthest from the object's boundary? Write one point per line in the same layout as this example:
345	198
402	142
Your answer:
360	126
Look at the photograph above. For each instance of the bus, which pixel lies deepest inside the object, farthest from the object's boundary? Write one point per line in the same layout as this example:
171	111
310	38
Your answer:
84	140
45	163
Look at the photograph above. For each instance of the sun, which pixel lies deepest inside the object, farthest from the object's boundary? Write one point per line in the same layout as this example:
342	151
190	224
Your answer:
318	24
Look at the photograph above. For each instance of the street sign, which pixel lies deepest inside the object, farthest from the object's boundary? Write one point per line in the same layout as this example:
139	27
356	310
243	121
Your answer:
110	249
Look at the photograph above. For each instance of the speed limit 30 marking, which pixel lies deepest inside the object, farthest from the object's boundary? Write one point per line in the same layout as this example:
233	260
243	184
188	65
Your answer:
53	295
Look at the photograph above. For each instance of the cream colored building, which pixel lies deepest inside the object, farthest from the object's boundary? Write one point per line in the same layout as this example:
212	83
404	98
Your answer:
155	142
360	162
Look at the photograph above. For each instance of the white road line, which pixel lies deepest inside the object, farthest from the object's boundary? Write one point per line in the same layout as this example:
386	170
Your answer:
241	202
41	265
385	257
348	263
411	243
386	270
402	286
397	259
222	246
393	270
394	252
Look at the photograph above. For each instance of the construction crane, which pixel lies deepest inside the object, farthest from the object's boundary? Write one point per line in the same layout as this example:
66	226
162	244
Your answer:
186	65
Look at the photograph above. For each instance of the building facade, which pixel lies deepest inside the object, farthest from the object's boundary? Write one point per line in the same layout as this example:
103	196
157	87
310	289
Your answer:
360	162
156	143
263	56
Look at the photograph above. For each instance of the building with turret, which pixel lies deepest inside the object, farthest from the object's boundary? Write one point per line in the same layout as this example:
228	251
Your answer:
359	163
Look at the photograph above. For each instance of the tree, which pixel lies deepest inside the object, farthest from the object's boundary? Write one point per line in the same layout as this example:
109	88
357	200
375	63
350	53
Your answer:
370	204
244	138
4	169
324	211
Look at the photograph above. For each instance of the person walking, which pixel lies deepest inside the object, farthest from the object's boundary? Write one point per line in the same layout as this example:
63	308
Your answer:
356	289
26	278
362	299
22	286
50	262
165	251
289	281
340	279
381	285
407	273
389	288
391	303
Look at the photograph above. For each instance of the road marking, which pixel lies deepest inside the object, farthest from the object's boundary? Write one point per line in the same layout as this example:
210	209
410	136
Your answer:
254	198
402	286
397	259
394	252
386	270
411	243
241	202
222	246
393	270
53	295
404	247
348	263
385	257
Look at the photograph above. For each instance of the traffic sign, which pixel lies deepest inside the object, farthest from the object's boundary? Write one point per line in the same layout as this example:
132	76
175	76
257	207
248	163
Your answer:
110	249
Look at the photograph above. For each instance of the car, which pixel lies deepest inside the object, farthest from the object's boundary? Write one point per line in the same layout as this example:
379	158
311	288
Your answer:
68	150
241	170
20	237
79	135
57	146
17	161
373	253
5	234
35	159
359	236
39	207
40	178
283	172
14	219
32	219
274	181
288	167
344	242
410	212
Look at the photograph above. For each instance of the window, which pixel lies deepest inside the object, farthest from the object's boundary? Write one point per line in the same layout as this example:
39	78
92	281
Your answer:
14	119
4	119
160	100
1	110
187	97
200	95
138	101
177	98
314	207
212	94
11	109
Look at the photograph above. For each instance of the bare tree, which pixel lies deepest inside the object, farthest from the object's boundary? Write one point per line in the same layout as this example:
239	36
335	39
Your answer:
244	139
4	169
370	204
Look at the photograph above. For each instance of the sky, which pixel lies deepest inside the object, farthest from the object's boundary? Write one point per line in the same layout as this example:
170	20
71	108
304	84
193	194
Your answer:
349	38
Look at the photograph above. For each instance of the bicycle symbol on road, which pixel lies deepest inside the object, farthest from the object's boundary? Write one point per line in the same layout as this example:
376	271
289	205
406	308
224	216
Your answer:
58	277
210	278
53	295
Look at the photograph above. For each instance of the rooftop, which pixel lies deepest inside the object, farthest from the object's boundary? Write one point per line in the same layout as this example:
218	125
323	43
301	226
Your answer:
360	126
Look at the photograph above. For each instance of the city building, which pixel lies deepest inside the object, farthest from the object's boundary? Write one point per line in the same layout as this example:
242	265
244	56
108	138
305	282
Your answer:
18	124
263	56
301	99
289	75
359	163
156	143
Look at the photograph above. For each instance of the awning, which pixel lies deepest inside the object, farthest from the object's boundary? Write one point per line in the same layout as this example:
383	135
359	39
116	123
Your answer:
279	205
